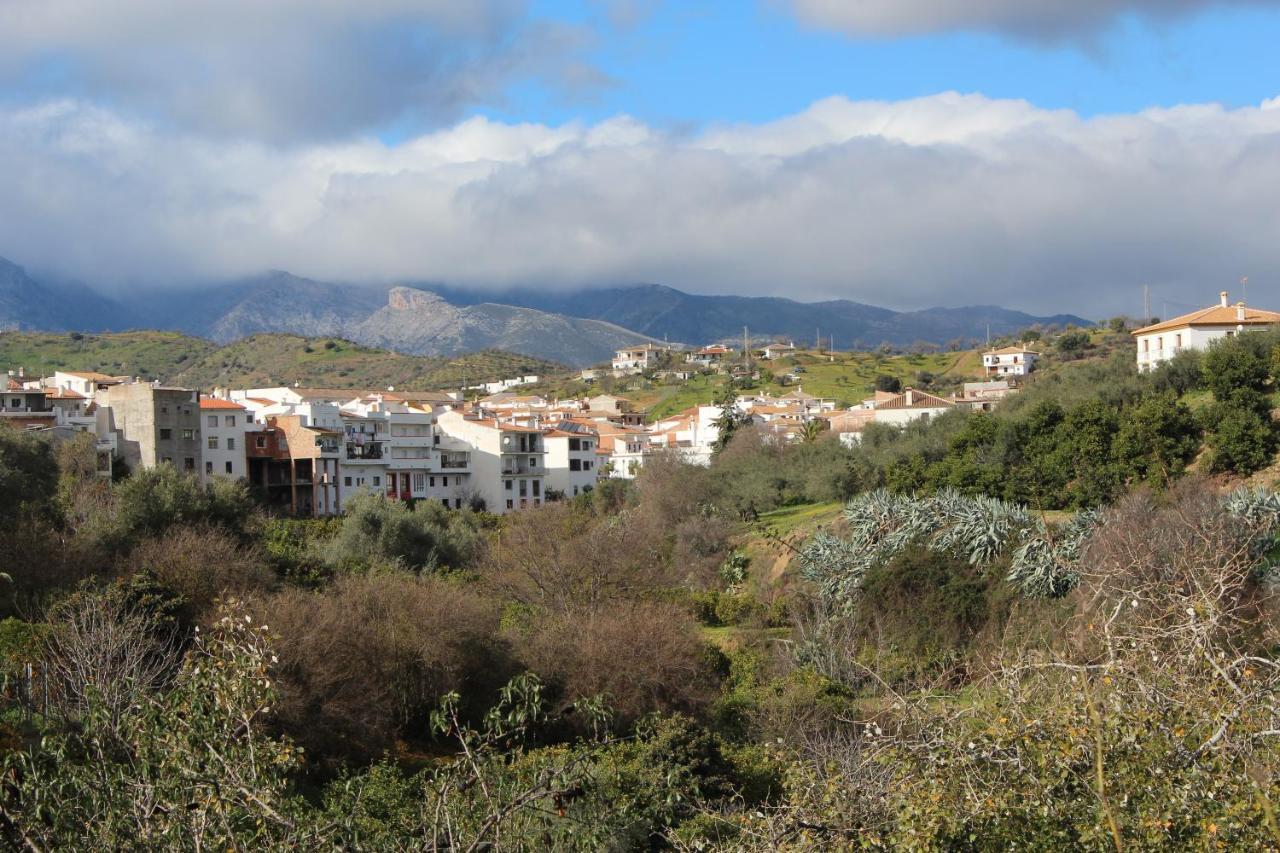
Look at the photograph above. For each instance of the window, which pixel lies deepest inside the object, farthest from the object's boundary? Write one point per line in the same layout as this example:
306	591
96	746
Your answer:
229	420
445	501
508	485
444	481
1177	340
188	435
231	444
419	482
1146	344
166	434
208	467
575	444
189	463
262	441
575	491
575	464
524	488
213	442
346	481
229	471
431	481
586	465
457	503
537	488
586	445
377	481
213	420
164	410
511	504
167	460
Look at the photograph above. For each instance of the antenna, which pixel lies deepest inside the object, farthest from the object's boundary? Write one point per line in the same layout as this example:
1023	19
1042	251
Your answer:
1244	286
1146	304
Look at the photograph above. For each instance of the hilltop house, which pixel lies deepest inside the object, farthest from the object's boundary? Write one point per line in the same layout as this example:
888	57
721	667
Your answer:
911	405
776	351
712	356
1160	342
638	358
1010	361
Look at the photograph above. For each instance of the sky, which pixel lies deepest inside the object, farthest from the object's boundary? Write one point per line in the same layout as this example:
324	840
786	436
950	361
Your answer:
1043	155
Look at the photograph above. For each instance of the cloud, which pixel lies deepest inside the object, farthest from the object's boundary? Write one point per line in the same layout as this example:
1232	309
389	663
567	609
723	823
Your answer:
950	199
285	70
1037	19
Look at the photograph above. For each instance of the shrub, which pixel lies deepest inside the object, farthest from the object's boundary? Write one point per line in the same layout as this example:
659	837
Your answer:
378	531
201	565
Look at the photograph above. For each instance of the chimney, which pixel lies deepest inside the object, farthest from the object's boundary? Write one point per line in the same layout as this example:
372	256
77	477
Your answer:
1240	311
1223	296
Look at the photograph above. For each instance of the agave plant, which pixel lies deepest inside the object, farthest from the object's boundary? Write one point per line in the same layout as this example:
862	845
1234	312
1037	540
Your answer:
1047	563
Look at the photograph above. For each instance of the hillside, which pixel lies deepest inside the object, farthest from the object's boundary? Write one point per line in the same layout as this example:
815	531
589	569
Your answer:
665	312
256	361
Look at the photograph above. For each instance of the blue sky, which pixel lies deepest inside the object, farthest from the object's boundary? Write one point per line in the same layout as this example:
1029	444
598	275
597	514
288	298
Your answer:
730	61
811	148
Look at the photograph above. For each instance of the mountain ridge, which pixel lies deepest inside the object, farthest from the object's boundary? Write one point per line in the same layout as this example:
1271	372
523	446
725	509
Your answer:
577	327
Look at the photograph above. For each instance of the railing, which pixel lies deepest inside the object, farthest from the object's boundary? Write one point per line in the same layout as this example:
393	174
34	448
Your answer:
454	464
368	451
508	468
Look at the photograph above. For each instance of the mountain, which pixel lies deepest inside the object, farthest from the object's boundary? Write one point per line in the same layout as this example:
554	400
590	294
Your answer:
26	303
664	312
410	321
576	327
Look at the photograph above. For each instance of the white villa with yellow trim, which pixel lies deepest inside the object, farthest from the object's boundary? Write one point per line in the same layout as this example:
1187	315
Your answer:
1162	341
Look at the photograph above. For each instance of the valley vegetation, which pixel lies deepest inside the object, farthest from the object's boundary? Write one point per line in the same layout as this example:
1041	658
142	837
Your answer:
1048	627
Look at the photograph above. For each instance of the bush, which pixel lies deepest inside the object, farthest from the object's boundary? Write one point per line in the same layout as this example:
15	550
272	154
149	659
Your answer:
365	662
154	499
1242	440
378	531
201	565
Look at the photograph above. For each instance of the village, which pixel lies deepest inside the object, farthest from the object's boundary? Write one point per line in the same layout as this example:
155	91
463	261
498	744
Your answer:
311	450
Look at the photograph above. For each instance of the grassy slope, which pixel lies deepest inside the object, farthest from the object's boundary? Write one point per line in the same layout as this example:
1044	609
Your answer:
152	355
256	361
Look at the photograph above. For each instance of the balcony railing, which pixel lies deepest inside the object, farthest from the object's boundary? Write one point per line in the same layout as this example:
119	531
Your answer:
509	468
455	464
367	451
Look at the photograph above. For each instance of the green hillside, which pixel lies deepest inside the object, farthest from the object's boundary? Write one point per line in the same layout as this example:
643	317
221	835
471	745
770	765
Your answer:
256	361
151	355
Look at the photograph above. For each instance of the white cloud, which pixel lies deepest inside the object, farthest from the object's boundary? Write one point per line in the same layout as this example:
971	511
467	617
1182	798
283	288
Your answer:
285	70
1038	19
951	199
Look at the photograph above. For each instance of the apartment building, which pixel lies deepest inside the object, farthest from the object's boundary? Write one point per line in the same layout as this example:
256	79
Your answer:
506	464
572	464
225	425
296	465
638	358
151	424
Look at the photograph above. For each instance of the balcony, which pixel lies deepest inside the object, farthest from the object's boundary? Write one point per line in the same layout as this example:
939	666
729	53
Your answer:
372	450
511	468
454	463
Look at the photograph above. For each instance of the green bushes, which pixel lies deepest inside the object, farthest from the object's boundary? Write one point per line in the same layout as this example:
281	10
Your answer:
381	532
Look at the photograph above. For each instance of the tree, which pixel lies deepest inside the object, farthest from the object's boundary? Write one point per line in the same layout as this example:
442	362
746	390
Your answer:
1072	343
1157	439
28	475
1242	440
377	531
888	384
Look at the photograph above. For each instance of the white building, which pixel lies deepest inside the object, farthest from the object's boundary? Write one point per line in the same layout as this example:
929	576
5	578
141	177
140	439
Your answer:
693	432
223	426
1010	361
572	463
776	351
507	467
911	405
1195	331
638	358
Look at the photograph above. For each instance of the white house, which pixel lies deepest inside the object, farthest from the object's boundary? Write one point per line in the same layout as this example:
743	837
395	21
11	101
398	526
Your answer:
507	464
638	358
223	429
911	405
1010	361
775	351
1162	341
